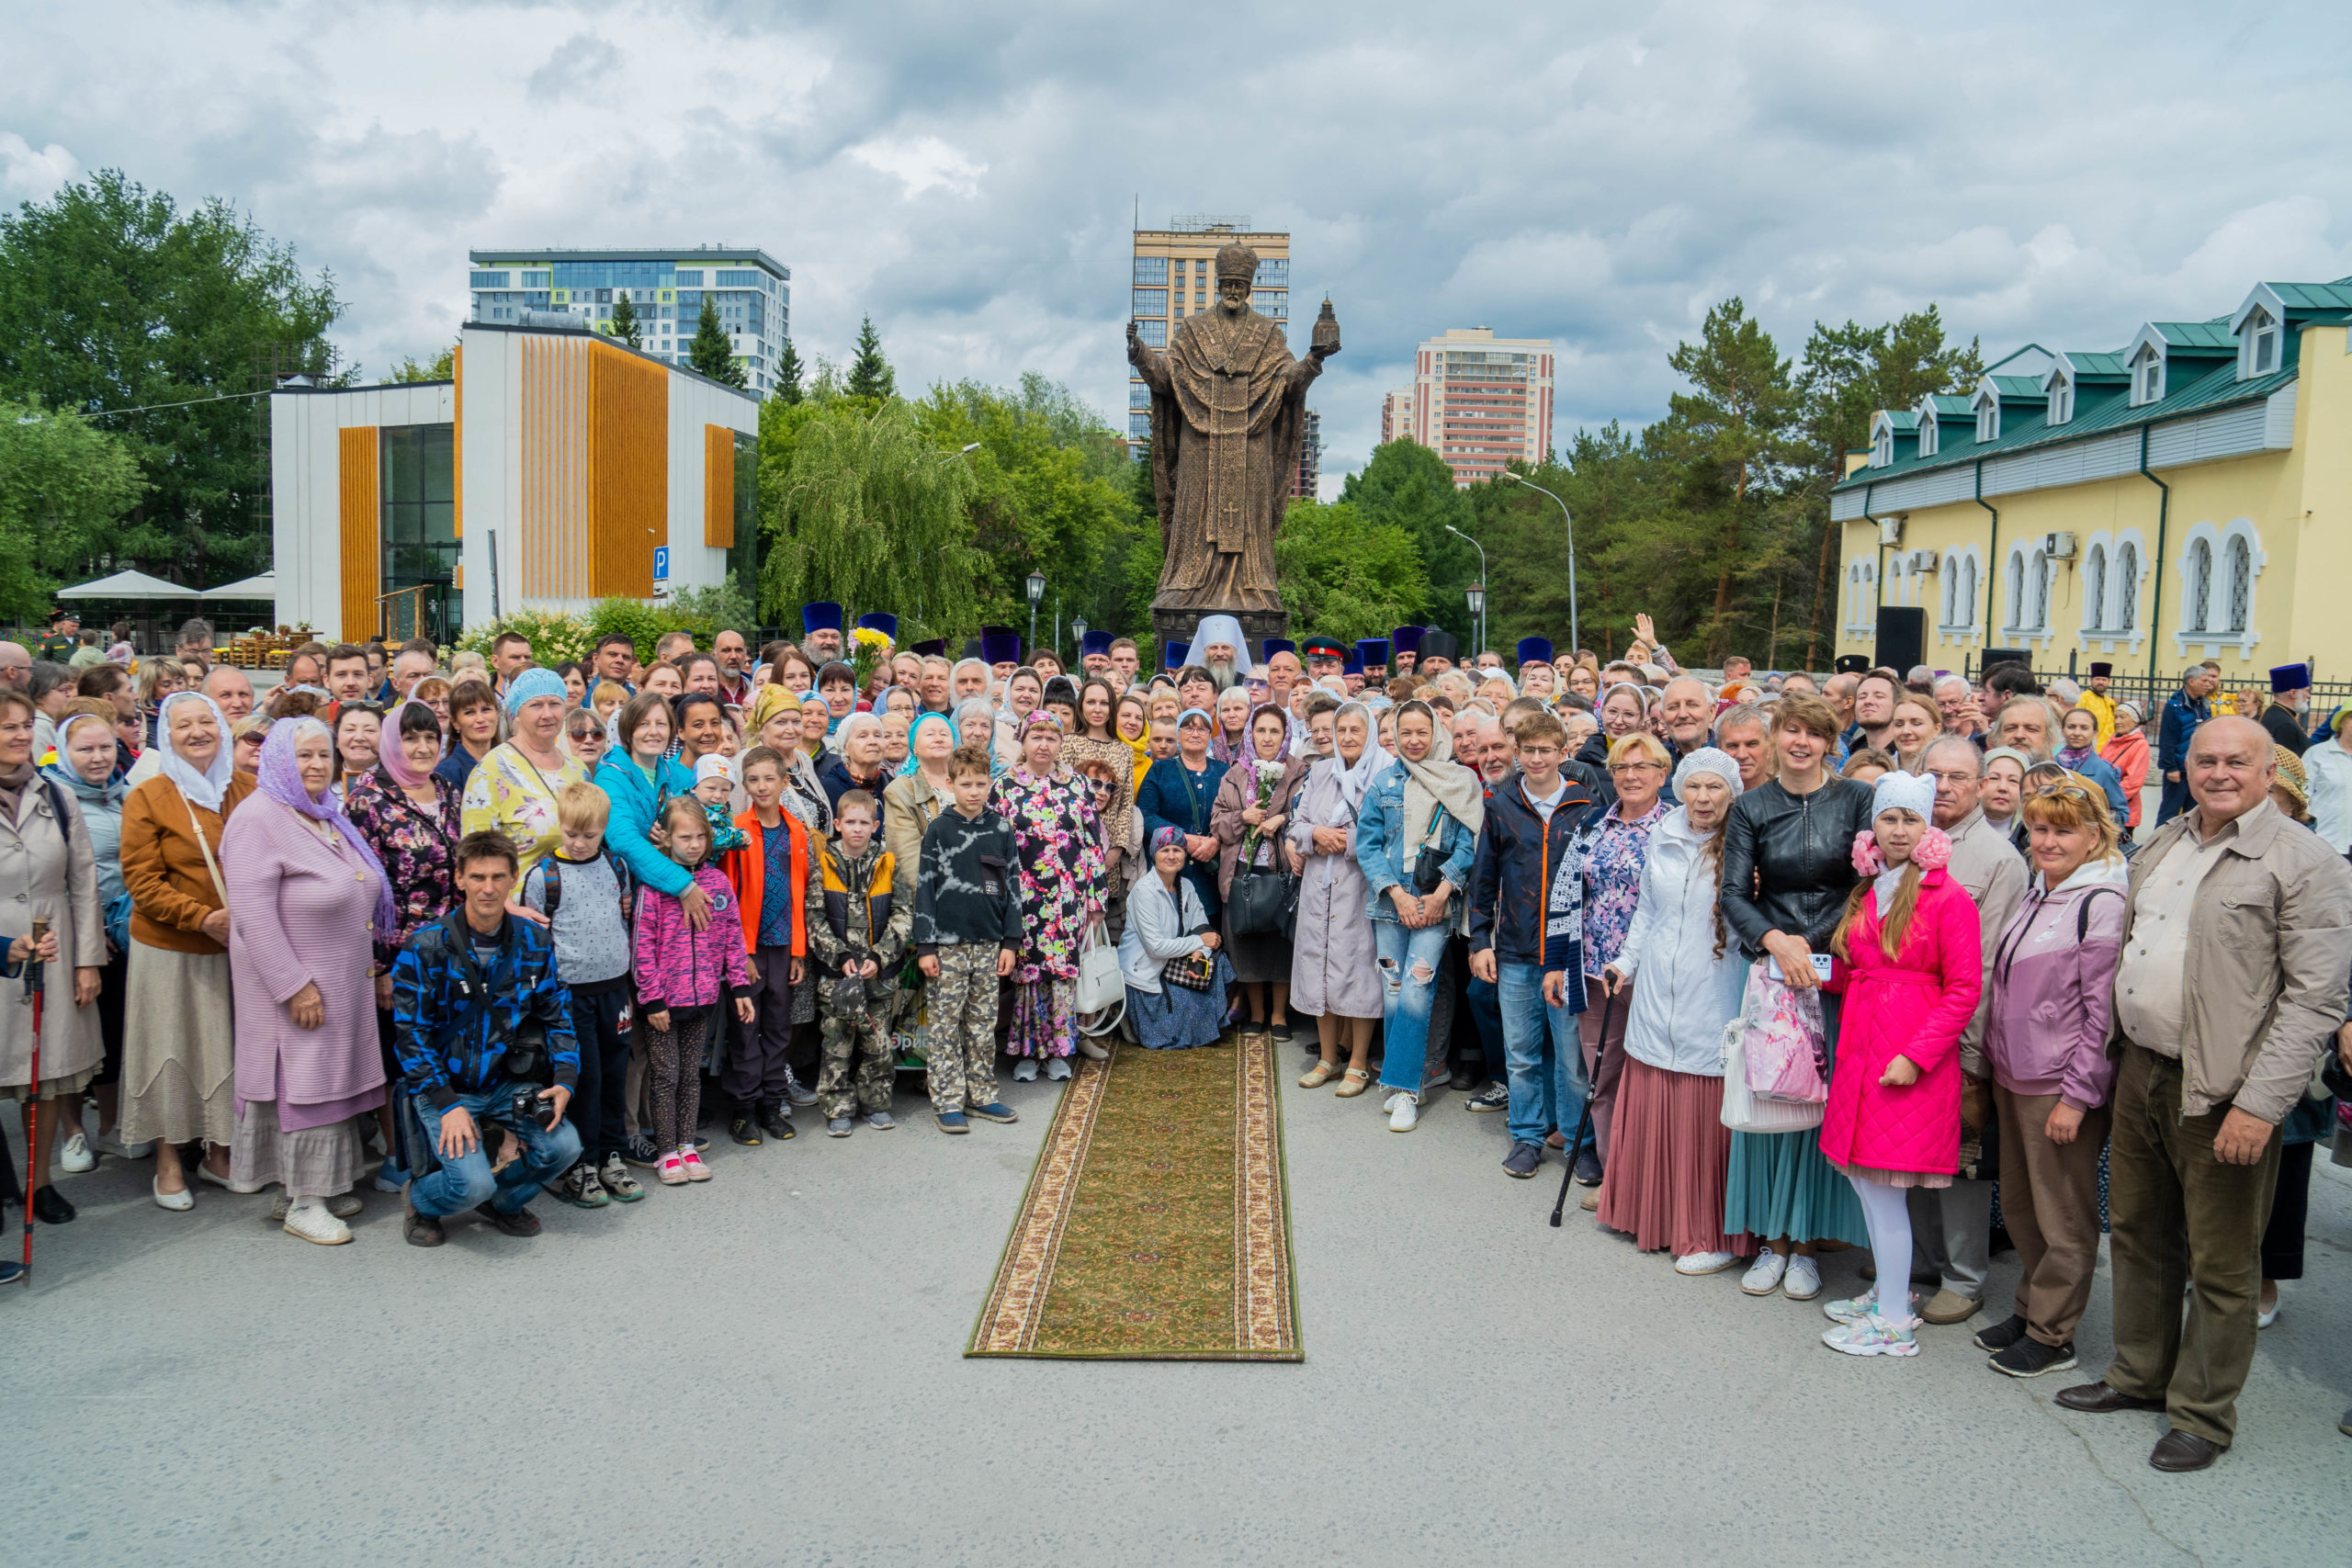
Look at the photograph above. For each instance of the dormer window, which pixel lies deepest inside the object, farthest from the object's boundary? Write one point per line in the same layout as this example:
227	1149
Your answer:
1988	418
2062	399
1881	446
2148	377
1928	436
2260	336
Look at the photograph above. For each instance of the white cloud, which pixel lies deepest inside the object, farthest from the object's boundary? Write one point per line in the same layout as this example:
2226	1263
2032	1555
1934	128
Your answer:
1595	175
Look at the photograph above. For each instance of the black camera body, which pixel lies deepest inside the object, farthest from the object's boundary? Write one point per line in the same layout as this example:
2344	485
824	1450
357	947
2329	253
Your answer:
527	1107
528	1067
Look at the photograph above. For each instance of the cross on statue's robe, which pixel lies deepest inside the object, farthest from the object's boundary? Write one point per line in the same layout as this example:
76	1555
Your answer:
1228	417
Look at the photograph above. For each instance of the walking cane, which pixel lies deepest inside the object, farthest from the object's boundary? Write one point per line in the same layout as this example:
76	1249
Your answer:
34	991
1575	1144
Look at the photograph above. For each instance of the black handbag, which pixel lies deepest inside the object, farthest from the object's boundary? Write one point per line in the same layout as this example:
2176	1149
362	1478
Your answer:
1264	902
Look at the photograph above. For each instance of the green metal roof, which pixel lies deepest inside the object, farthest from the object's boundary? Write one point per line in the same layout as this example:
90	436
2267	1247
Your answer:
2214	333
2027	427
2016	386
1900	419
2087	364
1952	404
2301	296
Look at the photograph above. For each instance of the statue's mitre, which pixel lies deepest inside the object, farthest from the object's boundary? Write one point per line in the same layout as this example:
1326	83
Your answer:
1237	261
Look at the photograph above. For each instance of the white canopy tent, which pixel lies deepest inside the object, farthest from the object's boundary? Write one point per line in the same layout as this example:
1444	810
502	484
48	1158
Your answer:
257	589
127	585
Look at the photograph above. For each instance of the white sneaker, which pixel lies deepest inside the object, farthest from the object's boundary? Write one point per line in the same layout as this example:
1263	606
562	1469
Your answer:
1058	1067
1025	1070
1803	1281
1403	1111
1763	1276
1705	1262
312	1221
76	1156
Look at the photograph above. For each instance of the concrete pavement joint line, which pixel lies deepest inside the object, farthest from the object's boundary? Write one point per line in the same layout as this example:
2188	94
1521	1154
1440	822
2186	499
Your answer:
2050	1409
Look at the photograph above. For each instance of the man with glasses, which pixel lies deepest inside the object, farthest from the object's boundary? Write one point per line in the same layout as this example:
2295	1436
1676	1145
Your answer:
1951	1227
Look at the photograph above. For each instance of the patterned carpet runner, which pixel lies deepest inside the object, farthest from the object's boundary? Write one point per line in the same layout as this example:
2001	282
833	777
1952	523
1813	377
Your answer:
1157	1222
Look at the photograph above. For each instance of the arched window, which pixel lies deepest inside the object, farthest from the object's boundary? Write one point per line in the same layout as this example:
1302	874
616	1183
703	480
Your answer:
2241	579
1952	590
2127	586
2041	574
2016	589
1968	590
2201	584
2094	590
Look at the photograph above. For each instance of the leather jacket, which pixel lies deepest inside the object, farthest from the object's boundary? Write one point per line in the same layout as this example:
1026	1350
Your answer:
1788	861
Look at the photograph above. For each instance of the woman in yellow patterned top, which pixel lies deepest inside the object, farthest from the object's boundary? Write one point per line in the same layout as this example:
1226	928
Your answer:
513	788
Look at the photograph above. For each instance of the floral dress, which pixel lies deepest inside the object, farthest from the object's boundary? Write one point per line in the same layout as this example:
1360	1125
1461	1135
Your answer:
1611	853
516	796
1062	878
418	847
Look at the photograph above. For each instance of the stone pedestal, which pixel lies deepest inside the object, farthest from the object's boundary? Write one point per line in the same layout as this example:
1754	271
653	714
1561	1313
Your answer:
1257	625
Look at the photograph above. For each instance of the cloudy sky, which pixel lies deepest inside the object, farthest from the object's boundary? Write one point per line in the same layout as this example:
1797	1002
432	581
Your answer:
1598	175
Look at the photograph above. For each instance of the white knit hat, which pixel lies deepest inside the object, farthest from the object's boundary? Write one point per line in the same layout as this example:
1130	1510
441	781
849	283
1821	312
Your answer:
1915	793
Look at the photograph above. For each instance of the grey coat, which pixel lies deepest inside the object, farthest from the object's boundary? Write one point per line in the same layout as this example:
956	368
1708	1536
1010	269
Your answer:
41	875
1334	967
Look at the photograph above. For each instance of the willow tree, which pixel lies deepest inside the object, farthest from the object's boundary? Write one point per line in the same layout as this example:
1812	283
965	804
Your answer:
870	512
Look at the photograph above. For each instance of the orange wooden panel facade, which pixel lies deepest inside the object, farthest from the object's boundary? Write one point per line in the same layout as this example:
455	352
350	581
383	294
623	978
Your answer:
359	478
551	535
629	471
719	487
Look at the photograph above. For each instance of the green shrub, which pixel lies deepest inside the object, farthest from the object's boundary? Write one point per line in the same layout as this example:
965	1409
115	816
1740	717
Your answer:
555	637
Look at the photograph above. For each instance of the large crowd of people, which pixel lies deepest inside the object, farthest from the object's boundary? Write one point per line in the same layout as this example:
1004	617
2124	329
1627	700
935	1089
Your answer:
1771	965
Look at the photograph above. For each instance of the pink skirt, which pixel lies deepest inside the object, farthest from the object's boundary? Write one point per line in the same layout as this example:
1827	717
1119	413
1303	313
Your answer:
1668	1153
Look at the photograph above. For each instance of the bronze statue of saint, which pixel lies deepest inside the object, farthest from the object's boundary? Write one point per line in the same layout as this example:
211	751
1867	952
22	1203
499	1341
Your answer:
1227	415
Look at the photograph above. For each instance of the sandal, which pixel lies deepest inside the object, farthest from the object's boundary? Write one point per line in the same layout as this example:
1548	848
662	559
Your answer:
1319	1074
1358	1080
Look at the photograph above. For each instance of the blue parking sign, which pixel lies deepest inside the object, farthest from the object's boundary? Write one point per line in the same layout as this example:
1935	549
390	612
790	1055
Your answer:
661	563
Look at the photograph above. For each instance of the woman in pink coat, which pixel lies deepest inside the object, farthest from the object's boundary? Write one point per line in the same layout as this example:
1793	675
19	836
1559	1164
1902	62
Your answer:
1910	943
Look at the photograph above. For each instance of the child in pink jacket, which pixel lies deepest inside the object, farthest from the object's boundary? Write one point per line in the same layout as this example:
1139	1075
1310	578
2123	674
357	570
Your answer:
682	975
1910	940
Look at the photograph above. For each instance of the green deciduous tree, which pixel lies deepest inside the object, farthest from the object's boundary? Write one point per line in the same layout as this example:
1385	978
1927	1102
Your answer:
1407	486
710	352
442	367
625	323
862	507
869	373
64	484
115	298
1343	576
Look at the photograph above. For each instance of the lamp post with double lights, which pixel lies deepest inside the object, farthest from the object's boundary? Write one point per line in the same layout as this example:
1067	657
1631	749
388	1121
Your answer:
1575	640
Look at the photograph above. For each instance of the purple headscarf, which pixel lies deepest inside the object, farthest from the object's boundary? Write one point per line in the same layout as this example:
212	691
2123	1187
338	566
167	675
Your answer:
279	778
1249	735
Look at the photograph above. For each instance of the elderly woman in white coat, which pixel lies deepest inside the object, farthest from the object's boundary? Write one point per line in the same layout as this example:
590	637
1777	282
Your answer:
48	872
1335	968
1670	1149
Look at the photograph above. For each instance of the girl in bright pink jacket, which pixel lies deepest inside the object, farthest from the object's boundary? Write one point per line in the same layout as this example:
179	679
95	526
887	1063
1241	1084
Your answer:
1912	976
682	975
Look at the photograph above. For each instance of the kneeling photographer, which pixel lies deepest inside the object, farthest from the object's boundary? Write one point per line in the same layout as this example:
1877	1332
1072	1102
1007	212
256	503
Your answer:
486	1050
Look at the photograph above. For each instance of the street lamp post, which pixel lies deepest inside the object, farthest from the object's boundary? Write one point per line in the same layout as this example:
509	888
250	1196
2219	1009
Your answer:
1575	638
1477	595
1037	593
1077	640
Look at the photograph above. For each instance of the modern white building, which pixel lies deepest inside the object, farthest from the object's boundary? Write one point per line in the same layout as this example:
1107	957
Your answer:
557	467
751	289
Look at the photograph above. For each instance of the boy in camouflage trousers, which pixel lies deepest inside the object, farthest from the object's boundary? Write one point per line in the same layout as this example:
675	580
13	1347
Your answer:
968	928
857	937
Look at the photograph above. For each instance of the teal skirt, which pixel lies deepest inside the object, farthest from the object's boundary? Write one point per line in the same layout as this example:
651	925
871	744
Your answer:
1779	1184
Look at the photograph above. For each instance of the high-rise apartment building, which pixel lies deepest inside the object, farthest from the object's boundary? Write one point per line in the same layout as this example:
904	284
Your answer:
1310	459
751	289
1478	399
1397	417
1174	277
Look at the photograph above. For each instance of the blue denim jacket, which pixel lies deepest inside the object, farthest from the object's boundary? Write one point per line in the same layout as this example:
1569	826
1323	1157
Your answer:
1387	859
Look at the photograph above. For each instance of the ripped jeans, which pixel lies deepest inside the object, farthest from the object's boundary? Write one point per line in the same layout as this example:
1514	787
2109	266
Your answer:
1408	970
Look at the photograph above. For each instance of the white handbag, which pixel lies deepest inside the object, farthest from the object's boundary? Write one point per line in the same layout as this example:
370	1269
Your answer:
1100	983
1749	1112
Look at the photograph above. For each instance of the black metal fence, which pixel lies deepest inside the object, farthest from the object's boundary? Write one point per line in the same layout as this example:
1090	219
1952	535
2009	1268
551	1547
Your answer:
2149	696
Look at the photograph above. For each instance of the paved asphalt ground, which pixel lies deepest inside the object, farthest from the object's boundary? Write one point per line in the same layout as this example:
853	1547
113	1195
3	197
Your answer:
766	1369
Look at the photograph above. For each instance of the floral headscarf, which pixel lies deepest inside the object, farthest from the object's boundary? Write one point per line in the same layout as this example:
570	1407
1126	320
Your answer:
280	778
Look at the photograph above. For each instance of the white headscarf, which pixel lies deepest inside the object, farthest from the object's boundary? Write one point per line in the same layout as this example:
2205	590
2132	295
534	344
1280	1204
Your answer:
1438	780
1357	778
201	789
1709	760
1220	628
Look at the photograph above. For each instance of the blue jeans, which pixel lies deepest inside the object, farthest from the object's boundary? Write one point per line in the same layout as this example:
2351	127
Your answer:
1408	968
1531	1027
467	1181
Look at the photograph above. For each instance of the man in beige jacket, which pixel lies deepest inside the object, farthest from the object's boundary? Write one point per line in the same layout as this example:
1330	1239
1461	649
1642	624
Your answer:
2237	946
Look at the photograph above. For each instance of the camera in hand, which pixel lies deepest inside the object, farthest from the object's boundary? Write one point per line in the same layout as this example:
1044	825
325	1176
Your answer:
527	1107
528	1067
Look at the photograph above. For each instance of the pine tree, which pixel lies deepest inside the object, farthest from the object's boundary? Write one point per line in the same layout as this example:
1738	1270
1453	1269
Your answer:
788	375
711	353
625	323
869	373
